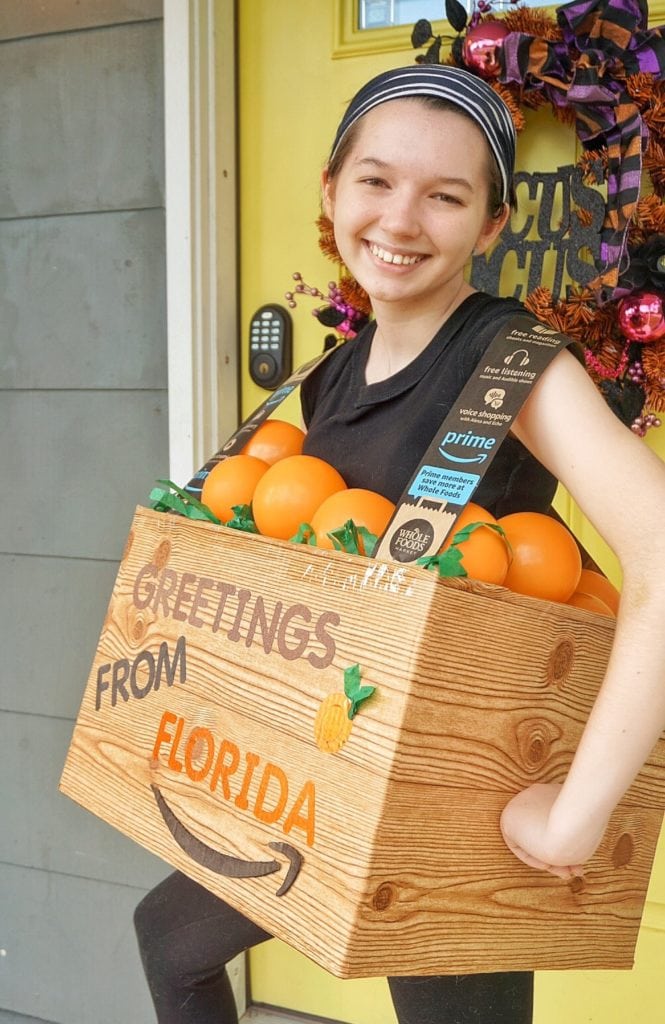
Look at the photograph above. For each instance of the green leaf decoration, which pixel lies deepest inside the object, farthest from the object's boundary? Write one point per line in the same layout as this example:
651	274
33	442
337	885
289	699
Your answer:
242	519
354	540
346	538
369	540
180	501
447	563
465	533
354	690
304	535
451	561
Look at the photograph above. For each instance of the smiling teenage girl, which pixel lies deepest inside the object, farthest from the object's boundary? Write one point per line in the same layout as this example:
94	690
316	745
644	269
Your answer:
420	177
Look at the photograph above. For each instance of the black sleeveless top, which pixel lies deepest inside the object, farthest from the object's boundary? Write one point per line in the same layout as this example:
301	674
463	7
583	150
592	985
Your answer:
376	434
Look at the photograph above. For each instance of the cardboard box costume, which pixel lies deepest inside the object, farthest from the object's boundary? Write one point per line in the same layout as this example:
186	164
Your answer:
214	730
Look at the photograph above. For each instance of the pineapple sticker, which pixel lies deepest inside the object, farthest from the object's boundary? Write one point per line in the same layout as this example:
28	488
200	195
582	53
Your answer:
334	719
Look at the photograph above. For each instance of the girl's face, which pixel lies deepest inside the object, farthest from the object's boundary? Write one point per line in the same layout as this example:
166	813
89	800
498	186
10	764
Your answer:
410	205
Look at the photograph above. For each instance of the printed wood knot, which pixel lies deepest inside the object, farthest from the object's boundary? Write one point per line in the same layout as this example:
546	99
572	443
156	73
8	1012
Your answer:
560	662
128	545
577	885
534	742
197	747
384	897
622	853
137	628
162	553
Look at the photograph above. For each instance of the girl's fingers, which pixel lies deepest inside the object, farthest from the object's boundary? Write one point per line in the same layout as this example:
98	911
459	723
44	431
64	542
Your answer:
564	872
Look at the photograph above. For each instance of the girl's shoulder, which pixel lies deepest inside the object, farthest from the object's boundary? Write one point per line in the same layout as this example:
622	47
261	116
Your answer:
337	370
483	310
473	325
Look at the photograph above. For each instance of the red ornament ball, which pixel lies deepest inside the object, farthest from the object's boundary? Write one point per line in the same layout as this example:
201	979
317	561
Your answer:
641	317
482	45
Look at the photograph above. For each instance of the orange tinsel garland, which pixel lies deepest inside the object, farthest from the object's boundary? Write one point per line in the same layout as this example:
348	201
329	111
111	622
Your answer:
578	315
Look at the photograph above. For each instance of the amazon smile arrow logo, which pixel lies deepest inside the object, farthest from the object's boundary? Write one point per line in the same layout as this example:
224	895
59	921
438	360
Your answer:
223	863
467	440
457	458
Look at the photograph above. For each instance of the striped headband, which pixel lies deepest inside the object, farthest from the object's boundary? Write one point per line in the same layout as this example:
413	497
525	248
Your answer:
471	94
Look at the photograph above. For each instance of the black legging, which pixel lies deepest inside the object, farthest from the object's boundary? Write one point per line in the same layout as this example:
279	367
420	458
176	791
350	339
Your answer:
186	936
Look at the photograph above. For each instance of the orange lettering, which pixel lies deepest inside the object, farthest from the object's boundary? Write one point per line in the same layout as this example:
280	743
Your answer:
222	770
173	761
196	738
163	736
271	771
297	820
241	799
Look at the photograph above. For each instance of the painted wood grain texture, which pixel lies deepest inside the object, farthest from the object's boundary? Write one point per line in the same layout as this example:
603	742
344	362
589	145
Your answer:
216	654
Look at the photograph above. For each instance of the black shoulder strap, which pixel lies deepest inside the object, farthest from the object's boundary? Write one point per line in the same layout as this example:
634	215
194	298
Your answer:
469	437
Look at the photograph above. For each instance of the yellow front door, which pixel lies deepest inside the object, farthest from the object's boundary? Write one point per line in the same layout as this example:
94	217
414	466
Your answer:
299	63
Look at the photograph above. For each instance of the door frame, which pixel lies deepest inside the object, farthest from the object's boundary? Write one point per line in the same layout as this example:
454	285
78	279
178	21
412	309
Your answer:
201	229
201	247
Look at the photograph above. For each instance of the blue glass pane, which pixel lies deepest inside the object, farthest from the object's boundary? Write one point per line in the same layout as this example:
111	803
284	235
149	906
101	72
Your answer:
384	13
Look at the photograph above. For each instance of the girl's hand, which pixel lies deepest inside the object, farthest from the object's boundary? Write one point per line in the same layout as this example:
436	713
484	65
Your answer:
526	825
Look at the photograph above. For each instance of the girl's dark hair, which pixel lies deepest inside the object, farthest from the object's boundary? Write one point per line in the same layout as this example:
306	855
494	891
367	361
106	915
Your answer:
495	201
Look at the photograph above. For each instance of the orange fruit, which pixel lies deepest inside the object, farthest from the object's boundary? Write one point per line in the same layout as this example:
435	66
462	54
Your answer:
274	440
546	560
594	584
290	492
590	602
366	508
231	482
485	555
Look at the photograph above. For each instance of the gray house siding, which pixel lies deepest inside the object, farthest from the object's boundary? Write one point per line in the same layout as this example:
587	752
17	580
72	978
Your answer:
83	436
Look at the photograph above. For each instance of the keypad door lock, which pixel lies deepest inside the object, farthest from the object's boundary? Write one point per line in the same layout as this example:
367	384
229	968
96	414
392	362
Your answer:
270	346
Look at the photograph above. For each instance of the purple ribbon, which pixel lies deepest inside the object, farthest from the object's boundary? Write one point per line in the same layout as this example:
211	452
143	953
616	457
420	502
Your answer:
603	41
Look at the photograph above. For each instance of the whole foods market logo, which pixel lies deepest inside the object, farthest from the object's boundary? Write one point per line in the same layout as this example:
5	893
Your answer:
412	540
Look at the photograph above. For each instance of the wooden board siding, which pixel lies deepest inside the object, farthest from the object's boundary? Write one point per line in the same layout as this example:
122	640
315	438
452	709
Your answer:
82	365
72	333
77	496
68	944
35	17
75	139
48	590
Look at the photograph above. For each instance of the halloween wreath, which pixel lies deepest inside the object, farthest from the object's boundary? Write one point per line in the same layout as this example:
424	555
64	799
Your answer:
602	71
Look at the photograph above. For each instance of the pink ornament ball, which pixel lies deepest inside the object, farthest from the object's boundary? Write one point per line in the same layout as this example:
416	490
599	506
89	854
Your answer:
641	317
482	45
